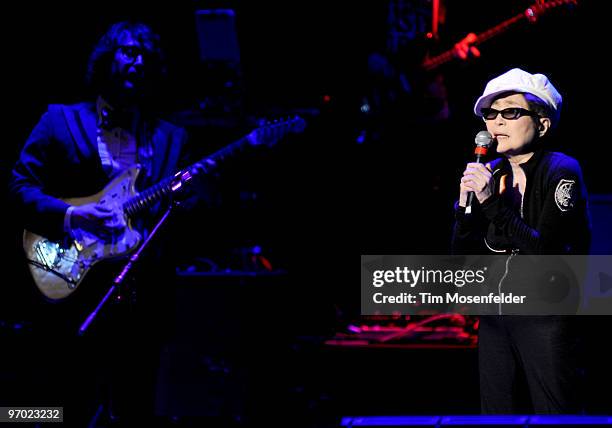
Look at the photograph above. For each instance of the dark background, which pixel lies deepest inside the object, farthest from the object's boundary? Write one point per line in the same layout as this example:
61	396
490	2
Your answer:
324	184
319	199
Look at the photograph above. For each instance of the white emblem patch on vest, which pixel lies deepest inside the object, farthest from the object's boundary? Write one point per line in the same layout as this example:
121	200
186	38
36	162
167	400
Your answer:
565	194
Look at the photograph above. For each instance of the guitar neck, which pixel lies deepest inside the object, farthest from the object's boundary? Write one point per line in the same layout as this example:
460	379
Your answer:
436	61
530	14
265	135
169	185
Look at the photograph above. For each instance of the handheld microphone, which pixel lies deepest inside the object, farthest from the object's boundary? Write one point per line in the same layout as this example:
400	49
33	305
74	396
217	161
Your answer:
483	141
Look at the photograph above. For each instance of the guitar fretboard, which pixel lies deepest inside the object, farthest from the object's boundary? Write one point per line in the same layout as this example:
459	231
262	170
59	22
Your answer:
529	14
153	194
438	60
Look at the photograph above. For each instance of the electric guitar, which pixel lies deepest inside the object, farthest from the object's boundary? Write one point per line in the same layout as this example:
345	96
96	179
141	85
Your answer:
419	92
531	14
58	268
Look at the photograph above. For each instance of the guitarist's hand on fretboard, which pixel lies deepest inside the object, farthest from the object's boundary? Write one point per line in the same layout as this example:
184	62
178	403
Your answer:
101	221
464	49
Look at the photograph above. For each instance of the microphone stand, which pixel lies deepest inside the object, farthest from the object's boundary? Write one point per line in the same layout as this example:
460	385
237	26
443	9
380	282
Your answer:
126	269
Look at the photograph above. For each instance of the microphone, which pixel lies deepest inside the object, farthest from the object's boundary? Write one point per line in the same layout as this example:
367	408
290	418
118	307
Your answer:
483	141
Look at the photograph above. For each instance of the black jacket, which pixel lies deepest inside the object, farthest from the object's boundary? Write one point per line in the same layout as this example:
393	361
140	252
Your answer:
61	160
552	219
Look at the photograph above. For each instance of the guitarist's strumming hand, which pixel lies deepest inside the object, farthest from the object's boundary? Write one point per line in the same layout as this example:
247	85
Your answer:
464	49
102	221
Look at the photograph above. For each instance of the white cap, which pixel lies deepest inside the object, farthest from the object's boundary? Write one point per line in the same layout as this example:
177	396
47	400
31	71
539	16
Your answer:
517	80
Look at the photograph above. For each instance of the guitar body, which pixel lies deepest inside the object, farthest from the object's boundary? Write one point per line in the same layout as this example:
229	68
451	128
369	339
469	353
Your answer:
58	268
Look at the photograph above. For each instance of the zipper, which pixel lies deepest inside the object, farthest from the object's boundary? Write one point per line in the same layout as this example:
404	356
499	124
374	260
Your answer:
499	286
524	192
514	251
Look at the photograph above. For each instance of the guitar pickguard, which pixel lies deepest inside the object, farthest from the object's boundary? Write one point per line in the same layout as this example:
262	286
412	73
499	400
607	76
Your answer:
58	267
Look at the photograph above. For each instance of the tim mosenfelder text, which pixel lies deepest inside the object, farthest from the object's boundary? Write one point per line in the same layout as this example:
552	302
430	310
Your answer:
413	277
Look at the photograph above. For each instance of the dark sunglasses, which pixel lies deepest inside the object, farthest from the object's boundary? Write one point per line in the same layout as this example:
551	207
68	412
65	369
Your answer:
510	113
132	52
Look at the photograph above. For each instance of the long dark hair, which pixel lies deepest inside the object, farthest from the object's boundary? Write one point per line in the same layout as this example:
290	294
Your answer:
100	61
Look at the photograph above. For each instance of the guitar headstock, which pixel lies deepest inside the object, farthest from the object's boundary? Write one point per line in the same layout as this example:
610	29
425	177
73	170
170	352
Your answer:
535	10
271	132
